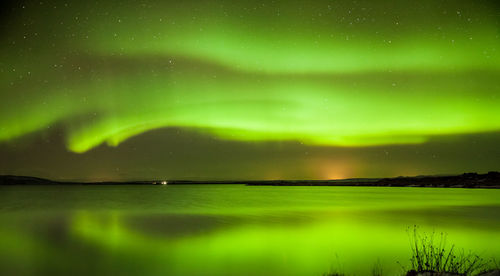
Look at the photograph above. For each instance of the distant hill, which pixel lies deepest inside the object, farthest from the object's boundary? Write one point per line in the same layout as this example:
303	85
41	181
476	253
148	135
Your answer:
29	180
466	180
24	180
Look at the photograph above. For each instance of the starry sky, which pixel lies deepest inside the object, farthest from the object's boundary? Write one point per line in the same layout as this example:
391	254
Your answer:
225	89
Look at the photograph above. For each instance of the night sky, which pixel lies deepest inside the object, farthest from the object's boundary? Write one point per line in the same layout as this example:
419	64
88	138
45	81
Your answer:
225	89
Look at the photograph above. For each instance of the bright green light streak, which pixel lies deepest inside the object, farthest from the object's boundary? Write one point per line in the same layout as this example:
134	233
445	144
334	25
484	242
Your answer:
311	39
317	79
359	111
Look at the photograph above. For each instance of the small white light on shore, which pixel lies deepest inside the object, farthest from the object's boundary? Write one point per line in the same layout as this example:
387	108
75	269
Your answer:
164	182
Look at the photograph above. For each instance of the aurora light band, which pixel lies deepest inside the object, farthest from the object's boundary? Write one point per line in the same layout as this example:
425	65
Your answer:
325	73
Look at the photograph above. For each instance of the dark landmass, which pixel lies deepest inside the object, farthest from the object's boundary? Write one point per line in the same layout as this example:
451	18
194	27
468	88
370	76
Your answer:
466	180
29	180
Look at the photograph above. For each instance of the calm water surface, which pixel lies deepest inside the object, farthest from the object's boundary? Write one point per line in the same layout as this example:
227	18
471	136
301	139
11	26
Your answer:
233	229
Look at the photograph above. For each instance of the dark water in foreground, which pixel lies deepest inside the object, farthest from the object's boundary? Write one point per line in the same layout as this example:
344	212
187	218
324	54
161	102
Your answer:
232	229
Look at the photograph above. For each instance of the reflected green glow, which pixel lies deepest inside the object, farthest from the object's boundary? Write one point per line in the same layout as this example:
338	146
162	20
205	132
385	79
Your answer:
297	250
322	74
228	230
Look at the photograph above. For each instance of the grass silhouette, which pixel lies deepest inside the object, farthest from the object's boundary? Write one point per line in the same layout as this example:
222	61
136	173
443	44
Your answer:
432	256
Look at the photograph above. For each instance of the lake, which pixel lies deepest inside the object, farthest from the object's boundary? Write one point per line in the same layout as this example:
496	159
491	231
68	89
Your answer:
233	229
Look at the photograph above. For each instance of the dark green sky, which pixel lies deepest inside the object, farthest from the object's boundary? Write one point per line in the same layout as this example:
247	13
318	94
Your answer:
249	89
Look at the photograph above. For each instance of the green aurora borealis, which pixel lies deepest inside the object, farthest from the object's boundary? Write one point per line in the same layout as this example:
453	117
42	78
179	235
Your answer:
249	89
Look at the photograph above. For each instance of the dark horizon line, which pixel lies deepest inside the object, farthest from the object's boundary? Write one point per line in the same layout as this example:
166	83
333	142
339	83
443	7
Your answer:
465	180
207	180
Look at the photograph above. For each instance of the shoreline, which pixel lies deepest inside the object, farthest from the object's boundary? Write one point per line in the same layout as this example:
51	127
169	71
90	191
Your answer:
490	180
